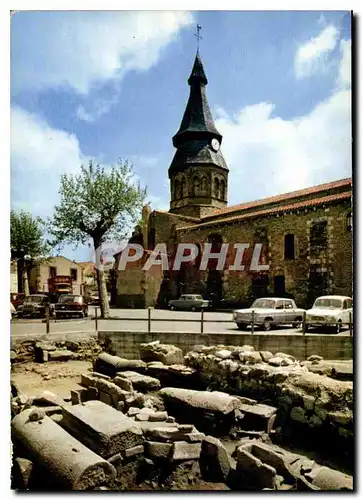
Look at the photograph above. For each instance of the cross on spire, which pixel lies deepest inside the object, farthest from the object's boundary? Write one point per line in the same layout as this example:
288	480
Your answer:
198	36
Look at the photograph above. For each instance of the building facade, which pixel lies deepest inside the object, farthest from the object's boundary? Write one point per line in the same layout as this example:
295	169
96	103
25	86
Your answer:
306	235
13	276
42	275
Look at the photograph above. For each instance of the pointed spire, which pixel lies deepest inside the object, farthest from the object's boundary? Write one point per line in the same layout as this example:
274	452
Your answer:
197	75
197	117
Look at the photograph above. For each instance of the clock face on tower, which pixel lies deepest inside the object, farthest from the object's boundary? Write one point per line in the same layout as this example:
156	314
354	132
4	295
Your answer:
215	144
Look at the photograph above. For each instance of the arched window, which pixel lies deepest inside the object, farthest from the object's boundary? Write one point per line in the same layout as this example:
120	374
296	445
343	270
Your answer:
177	189
196	186
289	247
183	192
204	186
223	189
216	187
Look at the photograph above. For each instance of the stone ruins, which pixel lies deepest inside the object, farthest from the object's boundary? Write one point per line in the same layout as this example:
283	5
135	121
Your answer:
219	418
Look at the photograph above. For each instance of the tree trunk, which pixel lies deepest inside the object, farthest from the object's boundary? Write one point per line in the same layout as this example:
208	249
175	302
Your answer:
19	270
25	281
102	288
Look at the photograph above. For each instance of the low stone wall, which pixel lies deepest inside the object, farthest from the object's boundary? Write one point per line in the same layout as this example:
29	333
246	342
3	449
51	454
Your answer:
53	337
310	405
55	349
126	344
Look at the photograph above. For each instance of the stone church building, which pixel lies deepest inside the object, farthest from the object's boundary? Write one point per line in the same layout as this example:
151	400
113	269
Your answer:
306	235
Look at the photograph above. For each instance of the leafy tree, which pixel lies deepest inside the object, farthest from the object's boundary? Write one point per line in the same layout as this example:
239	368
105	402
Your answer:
26	244
98	205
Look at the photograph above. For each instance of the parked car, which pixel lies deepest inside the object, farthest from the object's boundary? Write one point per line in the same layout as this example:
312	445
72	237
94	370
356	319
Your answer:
189	302
269	312
330	311
12	310
35	305
71	305
17	299
95	300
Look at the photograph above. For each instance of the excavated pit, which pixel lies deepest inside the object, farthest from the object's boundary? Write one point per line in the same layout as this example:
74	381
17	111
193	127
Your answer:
220	418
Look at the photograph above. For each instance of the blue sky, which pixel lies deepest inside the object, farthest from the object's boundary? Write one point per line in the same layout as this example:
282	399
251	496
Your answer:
105	85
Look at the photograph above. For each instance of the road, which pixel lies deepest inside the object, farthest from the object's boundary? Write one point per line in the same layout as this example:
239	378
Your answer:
136	320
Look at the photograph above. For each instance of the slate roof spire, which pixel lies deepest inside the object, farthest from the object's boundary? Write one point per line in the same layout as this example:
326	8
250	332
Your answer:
197	75
197	122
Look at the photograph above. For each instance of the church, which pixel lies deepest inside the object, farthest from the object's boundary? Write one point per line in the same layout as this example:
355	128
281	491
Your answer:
306	235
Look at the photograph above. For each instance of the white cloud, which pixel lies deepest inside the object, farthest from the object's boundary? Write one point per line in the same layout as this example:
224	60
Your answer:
158	202
345	75
268	155
99	107
80	49
312	56
39	155
149	170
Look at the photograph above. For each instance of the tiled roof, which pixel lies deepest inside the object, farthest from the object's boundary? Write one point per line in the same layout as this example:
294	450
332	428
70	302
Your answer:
274	210
181	216
282	197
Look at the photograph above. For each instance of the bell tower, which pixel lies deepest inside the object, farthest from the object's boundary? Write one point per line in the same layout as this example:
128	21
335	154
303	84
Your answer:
198	173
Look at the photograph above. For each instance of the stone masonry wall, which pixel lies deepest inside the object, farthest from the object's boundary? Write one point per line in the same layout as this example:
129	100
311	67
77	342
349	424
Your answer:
337	261
127	344
313	405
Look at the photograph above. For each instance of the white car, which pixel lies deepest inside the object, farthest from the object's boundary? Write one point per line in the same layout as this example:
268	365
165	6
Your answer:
12	310
331	311
269	312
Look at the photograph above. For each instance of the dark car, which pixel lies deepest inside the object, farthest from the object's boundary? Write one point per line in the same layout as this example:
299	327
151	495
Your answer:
71	305
36	305
189	302
17	299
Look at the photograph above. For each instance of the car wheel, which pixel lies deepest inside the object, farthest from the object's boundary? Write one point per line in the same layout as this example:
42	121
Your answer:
194	309
297	323
267	325
338	327
242	326
20	315
172	308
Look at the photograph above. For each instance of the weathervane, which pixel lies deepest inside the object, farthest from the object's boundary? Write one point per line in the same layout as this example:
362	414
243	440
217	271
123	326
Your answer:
198	36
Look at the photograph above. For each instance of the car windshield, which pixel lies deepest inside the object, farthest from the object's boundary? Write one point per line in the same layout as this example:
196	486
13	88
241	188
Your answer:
198	297
69	298
264	304
332	303
34	298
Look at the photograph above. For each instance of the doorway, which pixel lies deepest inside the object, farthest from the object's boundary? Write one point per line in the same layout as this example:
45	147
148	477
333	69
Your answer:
279	285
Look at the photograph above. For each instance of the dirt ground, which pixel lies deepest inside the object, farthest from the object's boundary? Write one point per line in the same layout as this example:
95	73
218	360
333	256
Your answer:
58	377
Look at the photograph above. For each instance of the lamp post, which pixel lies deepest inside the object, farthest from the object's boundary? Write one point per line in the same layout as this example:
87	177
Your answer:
25	280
